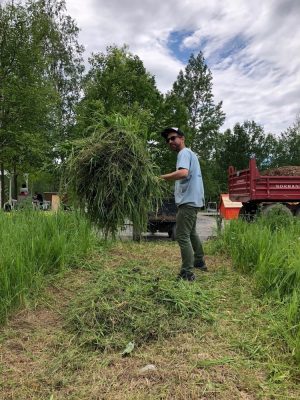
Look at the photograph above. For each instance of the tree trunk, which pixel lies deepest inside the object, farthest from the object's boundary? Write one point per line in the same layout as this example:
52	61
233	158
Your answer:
15	184
2	185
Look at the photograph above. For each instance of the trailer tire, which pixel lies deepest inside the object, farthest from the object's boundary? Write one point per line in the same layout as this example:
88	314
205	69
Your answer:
297	212
281	208
245	214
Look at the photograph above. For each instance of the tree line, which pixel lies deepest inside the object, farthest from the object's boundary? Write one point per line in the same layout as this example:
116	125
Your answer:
47	100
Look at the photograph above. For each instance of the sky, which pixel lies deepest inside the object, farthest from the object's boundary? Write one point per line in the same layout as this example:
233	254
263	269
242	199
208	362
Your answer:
251	47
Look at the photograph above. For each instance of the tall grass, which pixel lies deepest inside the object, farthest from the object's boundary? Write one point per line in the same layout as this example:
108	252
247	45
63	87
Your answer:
269	249
34	244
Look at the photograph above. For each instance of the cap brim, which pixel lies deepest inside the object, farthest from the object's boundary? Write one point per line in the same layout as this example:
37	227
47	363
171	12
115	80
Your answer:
166	131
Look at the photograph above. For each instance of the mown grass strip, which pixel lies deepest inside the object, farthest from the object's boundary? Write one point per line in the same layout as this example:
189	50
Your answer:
134	305
244	330
212	363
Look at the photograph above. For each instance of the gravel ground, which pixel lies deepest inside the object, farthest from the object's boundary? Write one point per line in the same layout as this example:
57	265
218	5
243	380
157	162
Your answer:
206	227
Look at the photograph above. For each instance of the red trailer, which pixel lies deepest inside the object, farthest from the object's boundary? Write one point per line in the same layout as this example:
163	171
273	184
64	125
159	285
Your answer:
258	191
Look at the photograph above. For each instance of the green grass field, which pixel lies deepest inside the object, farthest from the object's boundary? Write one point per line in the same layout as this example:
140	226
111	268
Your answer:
89	331
213	339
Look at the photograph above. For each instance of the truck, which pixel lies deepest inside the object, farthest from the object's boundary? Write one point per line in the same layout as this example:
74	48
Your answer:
161	220
260	193
164	219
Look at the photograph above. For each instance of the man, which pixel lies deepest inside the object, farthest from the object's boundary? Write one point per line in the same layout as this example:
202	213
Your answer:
189	195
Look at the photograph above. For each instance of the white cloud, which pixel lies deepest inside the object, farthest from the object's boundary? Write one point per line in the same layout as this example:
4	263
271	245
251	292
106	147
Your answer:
259	80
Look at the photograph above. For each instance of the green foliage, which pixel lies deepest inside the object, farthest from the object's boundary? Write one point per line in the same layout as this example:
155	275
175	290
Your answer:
194	88
34	244
236	147
288	146
21	102
172	112
118	82
41	79
212	185
111	176
130	304
40	70
44	181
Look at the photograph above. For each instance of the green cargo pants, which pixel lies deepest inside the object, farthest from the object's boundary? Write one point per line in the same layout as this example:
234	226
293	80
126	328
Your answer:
187	237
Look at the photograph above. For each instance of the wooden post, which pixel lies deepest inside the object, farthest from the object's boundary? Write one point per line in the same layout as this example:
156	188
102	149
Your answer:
15	183
2	185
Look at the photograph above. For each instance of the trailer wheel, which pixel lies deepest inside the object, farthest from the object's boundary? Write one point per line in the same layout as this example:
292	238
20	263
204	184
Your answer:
245	214
242	213
277	208
297	213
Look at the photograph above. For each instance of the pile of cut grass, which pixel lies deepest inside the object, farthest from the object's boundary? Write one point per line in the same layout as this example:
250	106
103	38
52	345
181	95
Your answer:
35	244
110	175
269	250
131	305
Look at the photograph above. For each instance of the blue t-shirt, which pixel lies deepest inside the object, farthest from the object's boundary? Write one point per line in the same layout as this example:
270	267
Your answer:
189	190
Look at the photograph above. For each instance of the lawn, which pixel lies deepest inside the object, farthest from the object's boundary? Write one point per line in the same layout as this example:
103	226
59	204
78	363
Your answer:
215	338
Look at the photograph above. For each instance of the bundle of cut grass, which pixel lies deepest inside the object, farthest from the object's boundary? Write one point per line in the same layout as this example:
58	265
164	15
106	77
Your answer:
111	177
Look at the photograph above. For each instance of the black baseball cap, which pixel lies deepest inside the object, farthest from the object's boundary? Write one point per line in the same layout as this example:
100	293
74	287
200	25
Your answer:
166	131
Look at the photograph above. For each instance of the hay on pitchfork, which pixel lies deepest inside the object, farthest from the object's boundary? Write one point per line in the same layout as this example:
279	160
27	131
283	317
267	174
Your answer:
111	177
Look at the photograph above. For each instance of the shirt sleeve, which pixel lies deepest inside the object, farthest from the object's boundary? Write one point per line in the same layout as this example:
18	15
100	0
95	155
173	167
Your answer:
183	159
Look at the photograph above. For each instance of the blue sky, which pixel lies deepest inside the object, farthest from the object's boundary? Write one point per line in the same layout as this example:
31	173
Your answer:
251	47
174	44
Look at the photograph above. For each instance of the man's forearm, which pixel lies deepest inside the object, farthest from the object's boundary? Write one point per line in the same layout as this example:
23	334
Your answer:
176	175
